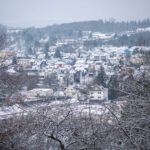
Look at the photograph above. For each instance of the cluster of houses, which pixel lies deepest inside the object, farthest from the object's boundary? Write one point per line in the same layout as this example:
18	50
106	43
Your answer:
71	76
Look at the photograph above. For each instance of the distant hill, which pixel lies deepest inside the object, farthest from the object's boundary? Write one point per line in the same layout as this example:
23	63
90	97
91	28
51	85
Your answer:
33	35
100	25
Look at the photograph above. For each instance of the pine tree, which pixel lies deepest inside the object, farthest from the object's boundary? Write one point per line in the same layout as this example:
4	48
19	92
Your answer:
14	60
46	49
57	54
113	88
101	77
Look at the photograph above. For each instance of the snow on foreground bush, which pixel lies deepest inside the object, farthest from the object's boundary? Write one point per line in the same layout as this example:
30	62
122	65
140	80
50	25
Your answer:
78	127
61	126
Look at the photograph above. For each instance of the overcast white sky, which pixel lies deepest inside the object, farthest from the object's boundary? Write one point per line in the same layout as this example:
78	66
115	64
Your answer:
24	13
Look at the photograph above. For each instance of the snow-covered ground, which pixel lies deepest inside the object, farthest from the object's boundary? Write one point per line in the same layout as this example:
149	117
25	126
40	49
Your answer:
143	29
77	108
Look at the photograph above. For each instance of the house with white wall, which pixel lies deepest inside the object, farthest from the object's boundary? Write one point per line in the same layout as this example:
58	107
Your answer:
98	93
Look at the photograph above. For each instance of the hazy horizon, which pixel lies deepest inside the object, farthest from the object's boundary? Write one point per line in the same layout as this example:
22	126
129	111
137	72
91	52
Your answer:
40	13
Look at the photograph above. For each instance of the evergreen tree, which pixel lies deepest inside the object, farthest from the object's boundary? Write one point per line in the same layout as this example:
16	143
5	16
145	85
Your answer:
14	60
46	49
113	88
101	77
29	51
57	54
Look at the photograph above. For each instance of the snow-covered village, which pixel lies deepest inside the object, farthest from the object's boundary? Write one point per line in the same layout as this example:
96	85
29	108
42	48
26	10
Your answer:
83	85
